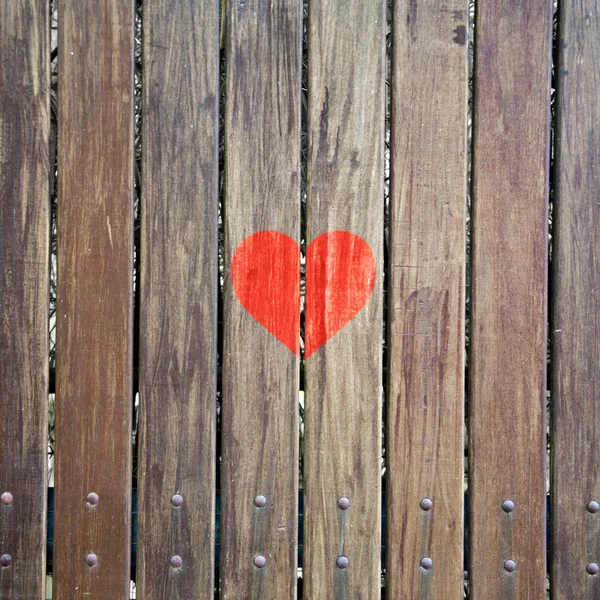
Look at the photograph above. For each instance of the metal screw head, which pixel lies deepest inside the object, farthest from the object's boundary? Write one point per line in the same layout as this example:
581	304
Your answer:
593	507
92	498
6	560
426	563
508	506
177	500
91	559
426	504
342	562
344	503
510	566
175	561
260	501
6	498
593	569
259	561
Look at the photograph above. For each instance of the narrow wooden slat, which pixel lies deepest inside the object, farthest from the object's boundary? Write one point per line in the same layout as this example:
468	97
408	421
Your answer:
424	448
508	327
24	227
178	331
575	307
346	83
260	373
94	295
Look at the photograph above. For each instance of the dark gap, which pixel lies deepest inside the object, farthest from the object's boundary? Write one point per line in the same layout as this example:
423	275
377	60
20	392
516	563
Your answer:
468	248
549	363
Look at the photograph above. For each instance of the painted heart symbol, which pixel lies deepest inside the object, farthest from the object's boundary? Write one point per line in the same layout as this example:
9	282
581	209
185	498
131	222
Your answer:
340	277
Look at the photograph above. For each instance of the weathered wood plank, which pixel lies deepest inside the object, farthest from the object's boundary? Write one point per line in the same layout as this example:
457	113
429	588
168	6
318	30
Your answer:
24	245
508	327
424	451
178	331
346	84
94	295
575	328
260	374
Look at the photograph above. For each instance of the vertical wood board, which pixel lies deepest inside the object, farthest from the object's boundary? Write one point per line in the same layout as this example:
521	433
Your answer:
343	369
94	295
178	331
424	442
575	328
260	372
509	286
24	244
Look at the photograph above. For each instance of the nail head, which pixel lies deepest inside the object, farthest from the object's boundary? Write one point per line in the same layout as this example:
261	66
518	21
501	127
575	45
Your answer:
91	559
344	503
593	507
93	498
426	563
593	569
260	501
510	566
6	560
177	500
508	506
427	504
342	562
175	561
260	561
6	498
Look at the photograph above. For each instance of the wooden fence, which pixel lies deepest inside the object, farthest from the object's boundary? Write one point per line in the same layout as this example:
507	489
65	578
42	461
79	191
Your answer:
373	271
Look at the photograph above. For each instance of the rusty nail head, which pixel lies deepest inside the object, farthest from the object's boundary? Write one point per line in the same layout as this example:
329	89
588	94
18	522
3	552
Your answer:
91	559
510	566
427	503
6	498
260	561
508	506
93	498
6	560
175	561
593	569
177	500
342	562
260	501
593	507
426	563
344	503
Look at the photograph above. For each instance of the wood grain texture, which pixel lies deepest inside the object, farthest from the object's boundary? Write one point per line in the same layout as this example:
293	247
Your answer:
575	327
94	295
178	331
24	244
260	375
424	449
346	116
509	286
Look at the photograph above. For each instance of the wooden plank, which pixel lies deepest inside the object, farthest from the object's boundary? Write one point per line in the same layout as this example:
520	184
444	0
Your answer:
178	331
261	374
346	83
575	328
424	450
509	285
24	287
94	296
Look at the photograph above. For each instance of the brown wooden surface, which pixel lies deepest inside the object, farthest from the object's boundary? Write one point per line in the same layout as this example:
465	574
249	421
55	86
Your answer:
94	311
178	331
508	326
343	378
575	328
260	374
24	229
424	442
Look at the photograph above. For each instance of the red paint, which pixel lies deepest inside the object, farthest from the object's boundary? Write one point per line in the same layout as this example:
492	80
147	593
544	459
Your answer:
340	276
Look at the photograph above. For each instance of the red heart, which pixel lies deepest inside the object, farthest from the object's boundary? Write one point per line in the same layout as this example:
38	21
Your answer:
340	276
